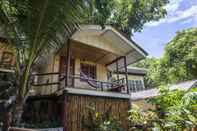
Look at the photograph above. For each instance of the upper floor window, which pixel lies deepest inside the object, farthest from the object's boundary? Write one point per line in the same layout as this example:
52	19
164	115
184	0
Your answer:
135	85
88	70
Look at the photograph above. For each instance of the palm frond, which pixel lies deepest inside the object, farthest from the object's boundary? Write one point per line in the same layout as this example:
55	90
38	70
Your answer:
35	26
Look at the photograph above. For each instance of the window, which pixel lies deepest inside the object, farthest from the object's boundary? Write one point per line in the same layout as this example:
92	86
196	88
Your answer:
6	59
135	85
88	70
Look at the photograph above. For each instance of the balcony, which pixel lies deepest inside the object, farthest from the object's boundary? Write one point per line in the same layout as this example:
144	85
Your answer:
42	80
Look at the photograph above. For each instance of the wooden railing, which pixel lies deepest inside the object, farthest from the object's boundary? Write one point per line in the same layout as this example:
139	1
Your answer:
115	86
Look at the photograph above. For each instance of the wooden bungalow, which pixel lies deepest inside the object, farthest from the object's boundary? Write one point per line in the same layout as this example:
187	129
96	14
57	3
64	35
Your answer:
81	73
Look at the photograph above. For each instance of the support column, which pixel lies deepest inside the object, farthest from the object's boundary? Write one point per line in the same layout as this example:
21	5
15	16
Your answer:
67	64
117	71
64	113
126	74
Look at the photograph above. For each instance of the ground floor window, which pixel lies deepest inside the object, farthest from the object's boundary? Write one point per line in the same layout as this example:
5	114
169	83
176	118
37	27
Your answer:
135	85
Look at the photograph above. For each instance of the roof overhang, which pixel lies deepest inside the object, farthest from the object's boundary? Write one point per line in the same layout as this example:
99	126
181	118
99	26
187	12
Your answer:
132	51
125	46
134	71
150	93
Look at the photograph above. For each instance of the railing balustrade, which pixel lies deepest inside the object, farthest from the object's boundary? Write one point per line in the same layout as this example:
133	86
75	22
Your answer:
115	86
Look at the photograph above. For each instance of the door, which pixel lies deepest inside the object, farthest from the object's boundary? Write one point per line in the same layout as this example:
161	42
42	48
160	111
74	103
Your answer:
63	67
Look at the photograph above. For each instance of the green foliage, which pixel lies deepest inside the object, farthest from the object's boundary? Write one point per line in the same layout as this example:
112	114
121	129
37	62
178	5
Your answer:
140	120
33	27
97	121
125	15
176	109
180	56
153	70
166	99
178	64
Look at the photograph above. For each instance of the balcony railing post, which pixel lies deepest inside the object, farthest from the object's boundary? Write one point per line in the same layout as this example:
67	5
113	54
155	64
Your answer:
67	64
117	71
126	74
101	86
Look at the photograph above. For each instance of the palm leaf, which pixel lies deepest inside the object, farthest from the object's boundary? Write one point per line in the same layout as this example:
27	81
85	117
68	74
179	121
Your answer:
35	26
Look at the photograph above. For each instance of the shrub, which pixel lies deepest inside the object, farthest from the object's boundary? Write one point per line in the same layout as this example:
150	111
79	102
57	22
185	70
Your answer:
97	121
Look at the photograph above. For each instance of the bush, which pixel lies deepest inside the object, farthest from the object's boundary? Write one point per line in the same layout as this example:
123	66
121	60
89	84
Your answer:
97	121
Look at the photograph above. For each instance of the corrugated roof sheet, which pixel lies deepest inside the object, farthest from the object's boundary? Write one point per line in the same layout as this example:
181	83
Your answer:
155	92
134	70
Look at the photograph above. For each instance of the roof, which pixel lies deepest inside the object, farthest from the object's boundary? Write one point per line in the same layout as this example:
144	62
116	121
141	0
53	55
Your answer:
145	94
184	85
135	52
134	71
132	41
125	46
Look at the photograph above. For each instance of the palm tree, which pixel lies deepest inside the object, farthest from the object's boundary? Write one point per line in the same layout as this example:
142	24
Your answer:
32	27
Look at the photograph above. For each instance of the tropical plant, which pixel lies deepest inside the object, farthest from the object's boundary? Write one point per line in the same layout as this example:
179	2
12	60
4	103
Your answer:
176	109
97	121
141	120
33	27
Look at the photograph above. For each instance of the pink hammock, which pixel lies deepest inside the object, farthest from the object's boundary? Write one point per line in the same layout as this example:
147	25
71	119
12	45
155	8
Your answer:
95	84
89	81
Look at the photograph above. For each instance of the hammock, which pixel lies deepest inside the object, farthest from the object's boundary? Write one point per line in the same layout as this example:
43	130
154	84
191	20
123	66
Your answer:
89	81
95	84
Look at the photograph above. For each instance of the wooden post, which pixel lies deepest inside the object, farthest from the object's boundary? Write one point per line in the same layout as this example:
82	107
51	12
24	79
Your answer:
64	113
117	71
126	74
67	64
7	120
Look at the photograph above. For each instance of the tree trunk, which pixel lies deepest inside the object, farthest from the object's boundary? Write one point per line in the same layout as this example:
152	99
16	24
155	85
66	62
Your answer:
6	120
22	93
18	111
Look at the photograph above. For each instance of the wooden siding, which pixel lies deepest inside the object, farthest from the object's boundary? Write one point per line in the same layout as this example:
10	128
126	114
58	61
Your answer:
76	109
69	109
40	109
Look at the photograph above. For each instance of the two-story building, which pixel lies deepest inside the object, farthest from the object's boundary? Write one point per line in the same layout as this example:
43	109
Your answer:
91	68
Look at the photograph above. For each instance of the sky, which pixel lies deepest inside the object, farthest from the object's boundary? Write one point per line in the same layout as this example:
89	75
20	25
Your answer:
182	14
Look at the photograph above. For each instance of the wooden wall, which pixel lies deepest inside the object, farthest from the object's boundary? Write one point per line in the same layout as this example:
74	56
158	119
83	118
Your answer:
76	109
40	109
